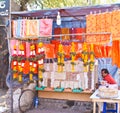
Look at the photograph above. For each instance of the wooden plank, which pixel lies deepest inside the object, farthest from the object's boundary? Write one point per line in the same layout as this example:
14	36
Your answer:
65	95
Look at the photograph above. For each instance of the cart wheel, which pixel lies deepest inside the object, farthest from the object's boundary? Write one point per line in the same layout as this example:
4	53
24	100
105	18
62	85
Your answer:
26	99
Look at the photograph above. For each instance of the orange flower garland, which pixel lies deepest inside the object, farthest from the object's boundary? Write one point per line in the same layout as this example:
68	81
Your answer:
14	63
40	58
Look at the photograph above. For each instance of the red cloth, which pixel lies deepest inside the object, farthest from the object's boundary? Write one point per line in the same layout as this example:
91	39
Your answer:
57	31
79	31
109	79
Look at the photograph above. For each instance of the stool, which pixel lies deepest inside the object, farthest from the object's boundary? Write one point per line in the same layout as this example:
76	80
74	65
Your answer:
109	110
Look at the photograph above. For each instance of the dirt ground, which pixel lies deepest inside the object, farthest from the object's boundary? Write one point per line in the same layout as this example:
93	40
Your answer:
48	106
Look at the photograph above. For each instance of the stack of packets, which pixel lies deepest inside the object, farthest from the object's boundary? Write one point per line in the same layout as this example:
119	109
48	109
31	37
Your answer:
66	79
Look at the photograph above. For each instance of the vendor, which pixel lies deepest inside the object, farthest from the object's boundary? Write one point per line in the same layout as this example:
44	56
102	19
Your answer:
107	77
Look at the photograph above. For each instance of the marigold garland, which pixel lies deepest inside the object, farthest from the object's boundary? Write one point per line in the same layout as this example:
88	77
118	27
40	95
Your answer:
85	57
60	58
40	58
73	55
14	63
92	57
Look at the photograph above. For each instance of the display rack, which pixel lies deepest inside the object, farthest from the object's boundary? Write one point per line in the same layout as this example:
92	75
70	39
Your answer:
85	95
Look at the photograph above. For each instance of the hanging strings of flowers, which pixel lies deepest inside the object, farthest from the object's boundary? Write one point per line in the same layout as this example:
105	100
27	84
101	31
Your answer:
60	58
85	57
33	62
21	61
92	57
73	55
14	63
40	59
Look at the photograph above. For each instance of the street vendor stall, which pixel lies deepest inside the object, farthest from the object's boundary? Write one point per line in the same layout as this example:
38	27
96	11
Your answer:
63	57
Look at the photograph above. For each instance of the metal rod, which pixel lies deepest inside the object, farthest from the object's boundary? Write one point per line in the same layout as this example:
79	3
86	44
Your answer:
48	36
11	79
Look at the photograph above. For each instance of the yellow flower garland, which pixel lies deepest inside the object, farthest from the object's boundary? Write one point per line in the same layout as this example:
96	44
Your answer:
92	58
60	58
73	54
85	57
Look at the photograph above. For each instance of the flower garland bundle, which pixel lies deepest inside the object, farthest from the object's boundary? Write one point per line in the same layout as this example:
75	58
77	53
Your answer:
33	62
85	57
92	57
73	55
14	64
40	58
21	61
60	58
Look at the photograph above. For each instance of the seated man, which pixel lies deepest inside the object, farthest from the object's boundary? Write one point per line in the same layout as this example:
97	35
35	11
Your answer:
107	80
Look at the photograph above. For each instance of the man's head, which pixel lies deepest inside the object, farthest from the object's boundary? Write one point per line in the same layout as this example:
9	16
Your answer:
104	72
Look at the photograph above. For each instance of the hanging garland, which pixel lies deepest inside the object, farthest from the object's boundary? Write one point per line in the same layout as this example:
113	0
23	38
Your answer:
60	58
14	63
92	58
40	59
73	55
21	61
33	62
85	57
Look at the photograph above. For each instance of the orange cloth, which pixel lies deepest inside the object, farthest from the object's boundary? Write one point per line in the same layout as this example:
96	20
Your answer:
91	28
97	51
108	21
115	52
56	43
109	51
67	50
65	31
49	50
98	27
115	29
79	31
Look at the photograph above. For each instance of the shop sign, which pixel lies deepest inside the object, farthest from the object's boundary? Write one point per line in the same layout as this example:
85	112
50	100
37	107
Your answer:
4	7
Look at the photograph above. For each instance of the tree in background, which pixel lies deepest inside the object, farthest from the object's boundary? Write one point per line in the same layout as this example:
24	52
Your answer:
49	4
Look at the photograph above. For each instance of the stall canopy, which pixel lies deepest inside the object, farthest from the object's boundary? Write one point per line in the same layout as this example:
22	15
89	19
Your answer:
73	12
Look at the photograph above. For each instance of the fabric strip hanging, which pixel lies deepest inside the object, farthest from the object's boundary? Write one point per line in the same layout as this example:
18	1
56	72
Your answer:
57	31
65	31
46	27
32	28
115	25
91	27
